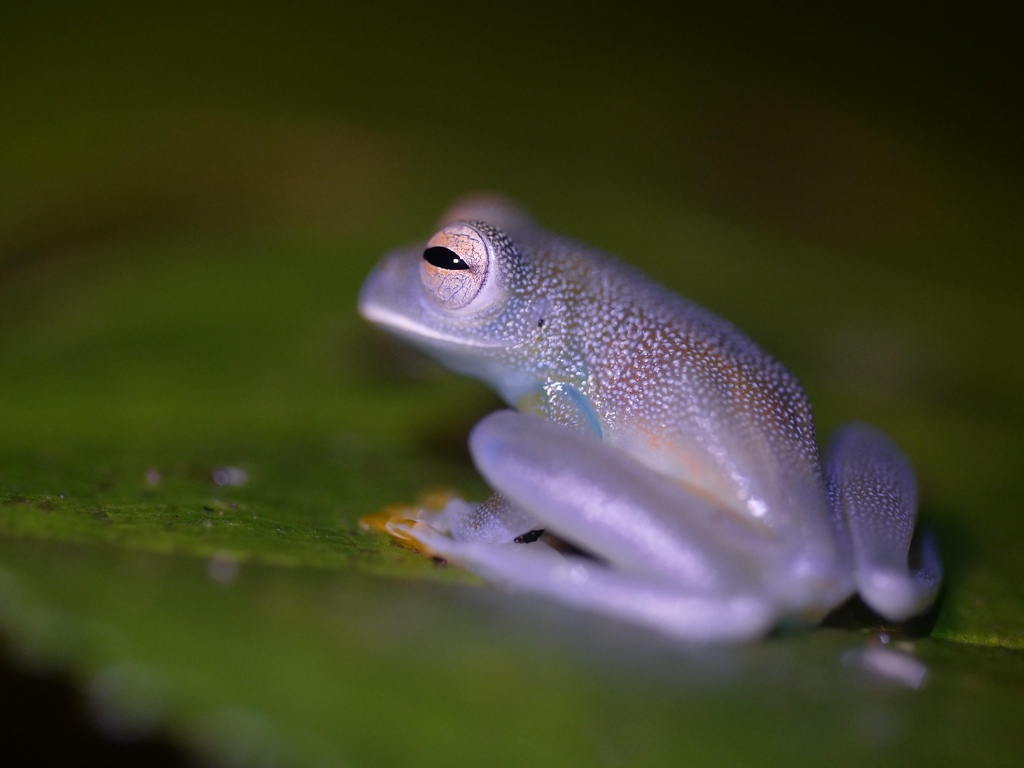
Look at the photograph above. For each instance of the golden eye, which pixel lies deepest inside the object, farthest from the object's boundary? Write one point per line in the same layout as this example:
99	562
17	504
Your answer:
457	268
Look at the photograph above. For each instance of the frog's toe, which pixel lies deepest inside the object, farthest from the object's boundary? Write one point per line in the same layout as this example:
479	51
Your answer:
899	593
404	522
496	521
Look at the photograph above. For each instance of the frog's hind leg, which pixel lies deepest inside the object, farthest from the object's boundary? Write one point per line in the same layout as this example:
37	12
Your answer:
600	499
872	487
660	557
679	573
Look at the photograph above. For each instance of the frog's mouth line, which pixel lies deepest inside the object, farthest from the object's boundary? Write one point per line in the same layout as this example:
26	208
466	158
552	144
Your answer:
403	326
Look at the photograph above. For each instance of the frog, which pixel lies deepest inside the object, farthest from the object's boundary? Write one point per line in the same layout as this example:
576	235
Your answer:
655	464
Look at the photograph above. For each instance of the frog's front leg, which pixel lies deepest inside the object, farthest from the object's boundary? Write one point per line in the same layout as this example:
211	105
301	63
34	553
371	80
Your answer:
873	488
496	521
668	559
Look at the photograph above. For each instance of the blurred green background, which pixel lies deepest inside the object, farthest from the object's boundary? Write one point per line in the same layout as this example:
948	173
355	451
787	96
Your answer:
190	196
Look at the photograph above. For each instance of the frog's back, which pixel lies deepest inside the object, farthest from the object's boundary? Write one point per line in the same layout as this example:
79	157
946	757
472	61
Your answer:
685	391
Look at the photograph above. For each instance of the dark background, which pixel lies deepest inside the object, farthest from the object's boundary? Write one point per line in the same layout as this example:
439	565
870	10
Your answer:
795	117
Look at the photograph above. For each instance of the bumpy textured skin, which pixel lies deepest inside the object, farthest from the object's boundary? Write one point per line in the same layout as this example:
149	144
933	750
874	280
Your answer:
590	343
872	486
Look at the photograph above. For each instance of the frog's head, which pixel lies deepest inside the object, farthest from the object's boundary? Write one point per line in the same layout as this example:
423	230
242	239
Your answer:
462	298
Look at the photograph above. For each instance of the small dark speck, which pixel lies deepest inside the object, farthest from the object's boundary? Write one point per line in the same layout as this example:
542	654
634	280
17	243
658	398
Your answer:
208	509
540	323
529	537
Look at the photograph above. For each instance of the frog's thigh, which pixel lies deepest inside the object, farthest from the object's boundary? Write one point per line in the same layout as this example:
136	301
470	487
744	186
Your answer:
872	484
589	585
599	498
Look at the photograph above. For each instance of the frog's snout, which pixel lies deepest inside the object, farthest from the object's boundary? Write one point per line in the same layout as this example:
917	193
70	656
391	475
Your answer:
383	287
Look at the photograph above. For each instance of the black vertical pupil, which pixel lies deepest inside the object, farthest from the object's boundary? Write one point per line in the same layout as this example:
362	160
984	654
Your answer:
444	258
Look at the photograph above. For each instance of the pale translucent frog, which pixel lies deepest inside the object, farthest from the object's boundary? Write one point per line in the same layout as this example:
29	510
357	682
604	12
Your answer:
670	463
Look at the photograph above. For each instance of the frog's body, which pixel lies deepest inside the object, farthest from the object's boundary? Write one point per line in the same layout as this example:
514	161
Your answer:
669	446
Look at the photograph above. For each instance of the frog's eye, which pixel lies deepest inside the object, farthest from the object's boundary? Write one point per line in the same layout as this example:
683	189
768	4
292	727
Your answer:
458	268
444	258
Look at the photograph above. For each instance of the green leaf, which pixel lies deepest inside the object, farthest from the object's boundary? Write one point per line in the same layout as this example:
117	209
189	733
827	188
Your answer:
193	419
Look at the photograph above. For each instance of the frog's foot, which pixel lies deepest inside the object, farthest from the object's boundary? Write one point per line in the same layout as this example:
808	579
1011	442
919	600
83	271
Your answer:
496	521
872	485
